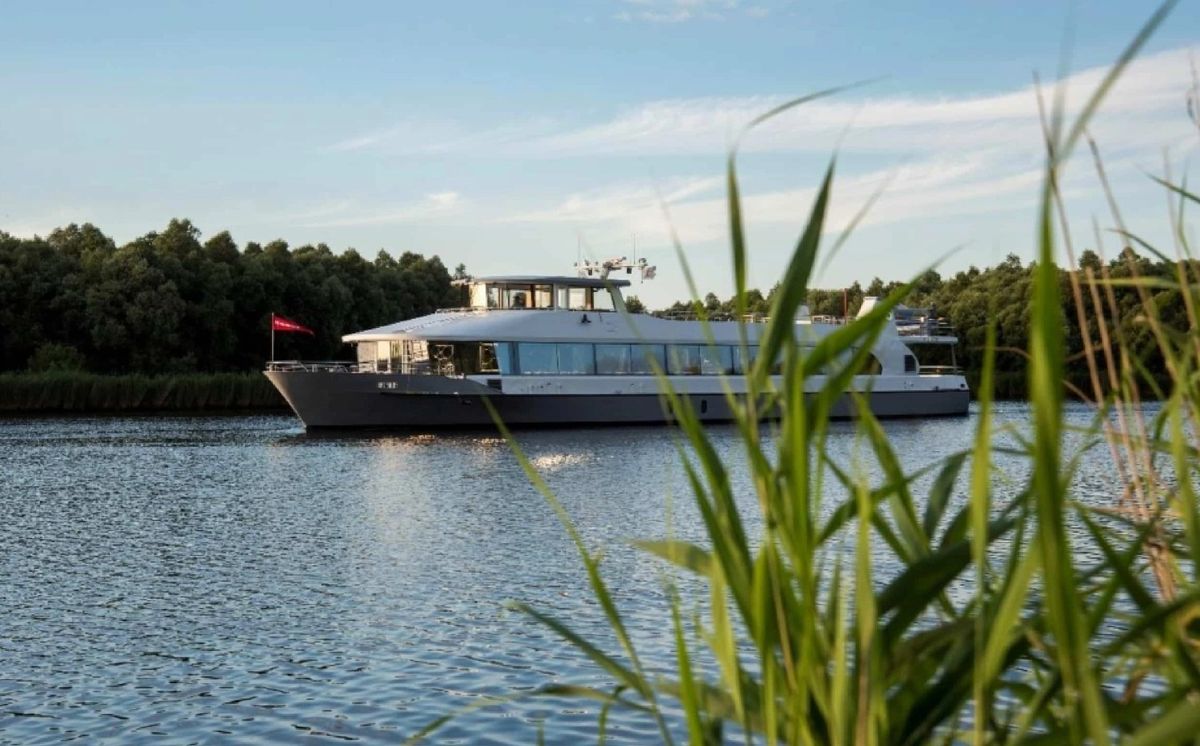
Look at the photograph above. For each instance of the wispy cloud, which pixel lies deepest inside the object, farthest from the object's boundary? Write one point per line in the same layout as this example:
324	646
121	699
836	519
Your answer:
940	186
939	156
415	137
618	202
1149	104
678	11
348	213
1150	100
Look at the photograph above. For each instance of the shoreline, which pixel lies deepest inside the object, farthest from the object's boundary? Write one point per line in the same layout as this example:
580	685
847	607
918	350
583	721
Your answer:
73	392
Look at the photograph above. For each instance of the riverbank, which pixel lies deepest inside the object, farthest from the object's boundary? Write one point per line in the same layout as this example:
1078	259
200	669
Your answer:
92	392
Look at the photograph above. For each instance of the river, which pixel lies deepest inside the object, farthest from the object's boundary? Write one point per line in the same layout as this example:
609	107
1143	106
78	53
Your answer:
211	578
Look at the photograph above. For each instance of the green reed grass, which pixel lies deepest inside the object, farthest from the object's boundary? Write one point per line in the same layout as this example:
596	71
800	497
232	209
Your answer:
74	391
810	646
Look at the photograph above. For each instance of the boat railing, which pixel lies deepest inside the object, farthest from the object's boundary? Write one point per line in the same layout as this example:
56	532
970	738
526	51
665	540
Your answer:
315	366
830	320
939	370
420	367
925	327
691	315
477	309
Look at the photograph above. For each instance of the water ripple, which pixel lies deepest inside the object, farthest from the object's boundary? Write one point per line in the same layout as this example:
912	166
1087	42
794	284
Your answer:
207	578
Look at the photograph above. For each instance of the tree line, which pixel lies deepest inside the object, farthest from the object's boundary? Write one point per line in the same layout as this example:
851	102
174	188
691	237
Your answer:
970	299
167	302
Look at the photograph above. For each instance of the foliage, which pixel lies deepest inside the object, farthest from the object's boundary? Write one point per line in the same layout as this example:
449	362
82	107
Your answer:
54	356
969	300
168	303
1001	625
74	391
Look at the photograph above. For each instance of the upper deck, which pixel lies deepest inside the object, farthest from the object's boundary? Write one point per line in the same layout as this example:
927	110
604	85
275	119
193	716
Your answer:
546	292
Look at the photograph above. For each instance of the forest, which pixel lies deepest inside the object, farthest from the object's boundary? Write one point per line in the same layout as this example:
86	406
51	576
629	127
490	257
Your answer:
167	303
970	298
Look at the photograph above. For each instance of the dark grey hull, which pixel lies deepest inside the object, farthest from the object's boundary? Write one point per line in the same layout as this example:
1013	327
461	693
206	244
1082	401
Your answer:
342	400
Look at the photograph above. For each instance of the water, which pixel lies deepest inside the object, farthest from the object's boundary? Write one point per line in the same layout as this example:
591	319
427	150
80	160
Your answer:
209	578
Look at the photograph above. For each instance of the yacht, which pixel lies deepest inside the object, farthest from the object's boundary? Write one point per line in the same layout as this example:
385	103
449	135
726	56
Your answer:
563	350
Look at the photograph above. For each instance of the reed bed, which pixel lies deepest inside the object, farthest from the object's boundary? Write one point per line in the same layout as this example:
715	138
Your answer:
73	391
803	641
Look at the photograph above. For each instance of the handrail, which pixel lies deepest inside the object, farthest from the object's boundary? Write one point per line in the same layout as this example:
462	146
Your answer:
314	366
939	370
932	327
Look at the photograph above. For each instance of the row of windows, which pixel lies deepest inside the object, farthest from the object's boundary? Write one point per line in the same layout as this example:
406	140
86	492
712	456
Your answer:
540	296
536	358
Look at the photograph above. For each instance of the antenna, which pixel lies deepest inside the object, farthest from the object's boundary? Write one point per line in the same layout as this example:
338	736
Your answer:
587	268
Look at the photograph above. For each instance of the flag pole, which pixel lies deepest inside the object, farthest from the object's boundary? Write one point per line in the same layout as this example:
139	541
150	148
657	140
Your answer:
272	337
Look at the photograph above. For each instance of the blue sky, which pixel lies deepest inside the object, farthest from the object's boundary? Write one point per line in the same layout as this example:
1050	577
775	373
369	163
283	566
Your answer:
508	135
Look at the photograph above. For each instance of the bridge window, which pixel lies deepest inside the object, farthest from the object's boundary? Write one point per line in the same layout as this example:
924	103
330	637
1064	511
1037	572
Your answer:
517	296
910	364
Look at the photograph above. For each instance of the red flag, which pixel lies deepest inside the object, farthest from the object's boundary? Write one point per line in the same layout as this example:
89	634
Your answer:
280	324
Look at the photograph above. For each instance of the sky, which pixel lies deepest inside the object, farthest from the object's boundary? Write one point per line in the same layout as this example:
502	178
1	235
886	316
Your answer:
516	138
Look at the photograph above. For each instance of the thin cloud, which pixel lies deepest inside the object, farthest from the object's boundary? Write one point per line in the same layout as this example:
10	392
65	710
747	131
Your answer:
1150	98
1148	105
445	138
940	156
617	202
679	11
432	207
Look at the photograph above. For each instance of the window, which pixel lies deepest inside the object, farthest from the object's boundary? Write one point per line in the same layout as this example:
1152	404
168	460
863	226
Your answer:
493	296
579	298
684	360
643	357
613	360
715	361
396	353
366	353
699	360
576	359
602	299
504	358
910	364
739	365
536	358
487	359
517	296
543	296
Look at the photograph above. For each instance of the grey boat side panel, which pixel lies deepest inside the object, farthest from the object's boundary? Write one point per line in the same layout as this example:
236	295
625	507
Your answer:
357	400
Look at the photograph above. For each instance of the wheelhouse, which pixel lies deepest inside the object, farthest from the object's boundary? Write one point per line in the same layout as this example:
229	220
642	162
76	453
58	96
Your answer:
545	293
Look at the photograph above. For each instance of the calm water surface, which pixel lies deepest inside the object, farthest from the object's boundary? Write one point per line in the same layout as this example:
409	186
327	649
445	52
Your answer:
203	579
